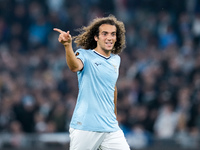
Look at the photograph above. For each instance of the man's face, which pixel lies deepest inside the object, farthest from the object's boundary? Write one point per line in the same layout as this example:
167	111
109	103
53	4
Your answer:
107	37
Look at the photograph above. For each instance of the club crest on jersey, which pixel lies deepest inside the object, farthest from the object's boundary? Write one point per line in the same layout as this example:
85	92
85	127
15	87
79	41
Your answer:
115	67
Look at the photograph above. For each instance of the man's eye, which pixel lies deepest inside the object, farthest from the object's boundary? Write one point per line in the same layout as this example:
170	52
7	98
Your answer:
113	34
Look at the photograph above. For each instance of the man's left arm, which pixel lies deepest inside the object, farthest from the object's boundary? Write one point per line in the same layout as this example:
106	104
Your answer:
115	100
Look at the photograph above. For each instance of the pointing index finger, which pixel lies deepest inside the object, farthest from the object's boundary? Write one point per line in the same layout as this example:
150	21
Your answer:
58	30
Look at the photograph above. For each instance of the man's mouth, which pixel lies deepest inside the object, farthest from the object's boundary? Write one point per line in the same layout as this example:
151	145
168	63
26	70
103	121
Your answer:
109	44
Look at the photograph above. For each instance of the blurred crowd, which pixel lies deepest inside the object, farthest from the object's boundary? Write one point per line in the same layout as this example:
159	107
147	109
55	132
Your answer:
159	80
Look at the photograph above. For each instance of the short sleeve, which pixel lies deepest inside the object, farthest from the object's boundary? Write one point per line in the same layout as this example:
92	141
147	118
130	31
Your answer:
80	54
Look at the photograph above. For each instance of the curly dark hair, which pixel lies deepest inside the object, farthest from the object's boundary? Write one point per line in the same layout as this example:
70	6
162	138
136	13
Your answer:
86	37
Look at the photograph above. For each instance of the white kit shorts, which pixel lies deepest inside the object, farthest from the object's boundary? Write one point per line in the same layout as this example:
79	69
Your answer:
89	140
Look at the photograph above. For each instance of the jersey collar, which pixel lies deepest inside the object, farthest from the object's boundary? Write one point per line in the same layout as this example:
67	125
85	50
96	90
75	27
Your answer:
101	54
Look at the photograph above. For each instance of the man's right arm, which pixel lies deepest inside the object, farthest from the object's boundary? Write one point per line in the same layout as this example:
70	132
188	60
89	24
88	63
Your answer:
73	63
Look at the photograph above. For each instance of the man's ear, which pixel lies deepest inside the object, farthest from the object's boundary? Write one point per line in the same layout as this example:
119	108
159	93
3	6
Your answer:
96	38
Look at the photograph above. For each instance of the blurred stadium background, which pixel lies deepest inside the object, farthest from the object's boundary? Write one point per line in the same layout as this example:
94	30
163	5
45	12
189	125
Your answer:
159	82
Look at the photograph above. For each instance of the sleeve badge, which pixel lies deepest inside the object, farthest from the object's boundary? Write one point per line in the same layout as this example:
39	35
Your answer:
77	53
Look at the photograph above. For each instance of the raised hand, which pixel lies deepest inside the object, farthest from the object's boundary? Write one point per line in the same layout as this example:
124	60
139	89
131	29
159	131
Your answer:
64	37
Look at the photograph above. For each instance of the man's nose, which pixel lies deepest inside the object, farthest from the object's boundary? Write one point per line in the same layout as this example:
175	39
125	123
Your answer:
109	37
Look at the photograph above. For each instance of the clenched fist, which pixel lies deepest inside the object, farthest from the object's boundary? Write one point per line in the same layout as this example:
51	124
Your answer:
64	37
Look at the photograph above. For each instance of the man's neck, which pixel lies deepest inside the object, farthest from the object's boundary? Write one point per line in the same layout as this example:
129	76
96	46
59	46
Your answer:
105	53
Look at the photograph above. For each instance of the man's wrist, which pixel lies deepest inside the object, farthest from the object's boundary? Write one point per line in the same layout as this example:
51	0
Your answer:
67	44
